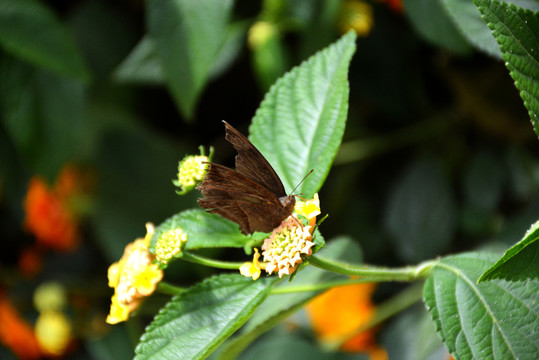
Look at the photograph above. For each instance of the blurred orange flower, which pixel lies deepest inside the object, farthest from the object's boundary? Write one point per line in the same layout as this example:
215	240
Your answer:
50	212
16	333
338	313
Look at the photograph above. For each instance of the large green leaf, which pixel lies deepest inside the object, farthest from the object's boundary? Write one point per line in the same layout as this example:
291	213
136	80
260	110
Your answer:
43	114
468	19
517	32
188	36
421	214
431	21
193	324
142	64
204	230
279	306
31	31
300	124
520	262
492	320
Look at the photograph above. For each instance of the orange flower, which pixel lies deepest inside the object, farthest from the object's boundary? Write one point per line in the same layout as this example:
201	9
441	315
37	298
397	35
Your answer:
49	218
338	313
16	333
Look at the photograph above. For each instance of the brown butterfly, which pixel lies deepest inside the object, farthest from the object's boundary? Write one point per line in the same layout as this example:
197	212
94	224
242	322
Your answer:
252	196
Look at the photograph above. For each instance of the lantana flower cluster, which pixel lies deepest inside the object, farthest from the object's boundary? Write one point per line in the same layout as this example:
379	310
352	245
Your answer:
133	278
169	245
284	250
191	170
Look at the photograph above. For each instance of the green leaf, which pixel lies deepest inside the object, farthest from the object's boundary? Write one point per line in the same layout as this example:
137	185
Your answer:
421	214
43	114
204	230
517	32
520	262
279	306
300	123
493	320
30	30
141	65
193	324
468	20
432	22
188	36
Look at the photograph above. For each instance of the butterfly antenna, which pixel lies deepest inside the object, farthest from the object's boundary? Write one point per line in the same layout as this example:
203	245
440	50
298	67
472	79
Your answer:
310	172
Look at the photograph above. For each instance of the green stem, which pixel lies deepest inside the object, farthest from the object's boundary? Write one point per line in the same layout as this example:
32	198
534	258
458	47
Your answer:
315	287
374	273
169	289
188	256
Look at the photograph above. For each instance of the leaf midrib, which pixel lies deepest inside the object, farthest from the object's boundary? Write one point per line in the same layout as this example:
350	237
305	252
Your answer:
471	284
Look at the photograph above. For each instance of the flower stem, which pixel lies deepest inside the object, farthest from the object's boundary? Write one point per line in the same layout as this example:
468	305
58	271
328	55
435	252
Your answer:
188	256
315	287
374	273
169	289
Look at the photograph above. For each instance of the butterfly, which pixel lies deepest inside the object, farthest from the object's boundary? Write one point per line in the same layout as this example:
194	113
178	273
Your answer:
252	196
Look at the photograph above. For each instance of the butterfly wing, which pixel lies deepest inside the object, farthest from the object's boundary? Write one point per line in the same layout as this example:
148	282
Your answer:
252	163
239	198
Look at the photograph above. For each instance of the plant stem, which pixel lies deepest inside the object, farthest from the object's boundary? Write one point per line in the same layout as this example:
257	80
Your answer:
188	256
315	287
374	273
169	289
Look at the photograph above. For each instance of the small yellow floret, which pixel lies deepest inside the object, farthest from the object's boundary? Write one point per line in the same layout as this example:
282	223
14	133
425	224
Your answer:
309	208
191	170
49	296
252	269
356	15
260	33
53	332
169	245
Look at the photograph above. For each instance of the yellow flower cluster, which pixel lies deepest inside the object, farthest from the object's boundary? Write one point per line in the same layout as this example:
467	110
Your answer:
53	328
53	331
356	15
191	170
283	249
260	33
133	278
288	244
169	245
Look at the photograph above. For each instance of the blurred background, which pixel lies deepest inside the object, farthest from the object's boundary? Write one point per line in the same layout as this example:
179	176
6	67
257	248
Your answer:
99	100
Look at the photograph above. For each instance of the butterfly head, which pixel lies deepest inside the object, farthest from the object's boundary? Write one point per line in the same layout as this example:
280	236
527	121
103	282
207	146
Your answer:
288	203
